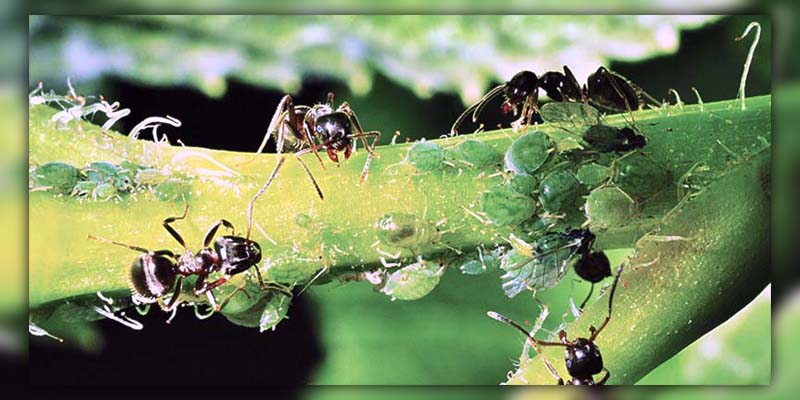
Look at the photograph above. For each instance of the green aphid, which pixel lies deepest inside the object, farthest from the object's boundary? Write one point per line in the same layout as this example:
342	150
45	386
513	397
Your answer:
149	177
640	176
173	189
104	192
414	281
101	172
527	153
504	206
274	312
593	175
485	262
473	154
558	190
405	230
523	183
56	177
426	156
302	220
609	207
84	188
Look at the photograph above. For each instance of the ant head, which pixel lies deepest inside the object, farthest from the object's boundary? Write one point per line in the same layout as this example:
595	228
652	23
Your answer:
335	130
594	267
254	249
518	88
633	139
151	276
583	359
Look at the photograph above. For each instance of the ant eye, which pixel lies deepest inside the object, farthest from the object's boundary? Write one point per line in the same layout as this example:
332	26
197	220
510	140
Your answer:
320	128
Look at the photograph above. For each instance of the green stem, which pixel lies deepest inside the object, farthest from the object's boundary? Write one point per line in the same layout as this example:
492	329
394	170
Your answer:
340	233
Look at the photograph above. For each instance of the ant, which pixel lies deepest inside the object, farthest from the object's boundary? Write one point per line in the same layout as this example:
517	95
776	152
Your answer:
155	273
604	88
582	356
307	129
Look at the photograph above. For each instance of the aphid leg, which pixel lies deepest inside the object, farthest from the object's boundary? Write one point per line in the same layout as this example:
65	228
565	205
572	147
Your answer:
213	231
172	231
595	332
228	298
278	119
259	194
135	248
330	99
173	301
605	377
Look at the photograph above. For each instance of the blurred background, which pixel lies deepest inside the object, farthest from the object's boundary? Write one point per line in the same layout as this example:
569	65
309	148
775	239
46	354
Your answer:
222	79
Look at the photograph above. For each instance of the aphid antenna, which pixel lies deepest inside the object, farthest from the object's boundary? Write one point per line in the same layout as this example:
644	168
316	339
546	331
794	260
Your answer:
749	60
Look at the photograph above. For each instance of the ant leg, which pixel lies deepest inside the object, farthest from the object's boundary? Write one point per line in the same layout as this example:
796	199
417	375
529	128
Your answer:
175	294
532	106
308	172
591	290
172	231
135	248
359	132
574	83
605	378
285	105
260	279
228	298
308	128
370	150
259	194
213	231
534	342
595	332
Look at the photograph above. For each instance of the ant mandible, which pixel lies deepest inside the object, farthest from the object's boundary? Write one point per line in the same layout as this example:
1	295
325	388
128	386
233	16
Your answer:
582	356
155	273
305	129
605	89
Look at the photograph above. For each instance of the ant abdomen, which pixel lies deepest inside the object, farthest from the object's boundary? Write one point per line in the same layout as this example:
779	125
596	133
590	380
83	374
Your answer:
152	276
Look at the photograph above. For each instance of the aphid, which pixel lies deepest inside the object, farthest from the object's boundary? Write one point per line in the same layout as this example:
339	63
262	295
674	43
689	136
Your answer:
305	129
156	273
527	153
604	88
582	356
425	156
472	154
504	206
413	281
608	207
547	265
56	177
405	230
558	190
584	120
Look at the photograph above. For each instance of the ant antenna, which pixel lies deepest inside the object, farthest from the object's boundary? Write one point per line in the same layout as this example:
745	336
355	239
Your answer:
261	192
508	321
135	248
476	108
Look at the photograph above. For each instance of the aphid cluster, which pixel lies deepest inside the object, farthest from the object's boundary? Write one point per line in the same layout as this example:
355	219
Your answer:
103	181
582	357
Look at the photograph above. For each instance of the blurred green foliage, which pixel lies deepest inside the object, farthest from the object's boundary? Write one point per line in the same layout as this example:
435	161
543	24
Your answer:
424	53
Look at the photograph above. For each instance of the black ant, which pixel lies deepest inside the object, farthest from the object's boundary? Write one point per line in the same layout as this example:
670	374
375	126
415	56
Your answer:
604	88
582	356
155	273
307	129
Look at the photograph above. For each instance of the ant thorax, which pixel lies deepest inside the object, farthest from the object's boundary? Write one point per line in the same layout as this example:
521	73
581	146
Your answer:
201	263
